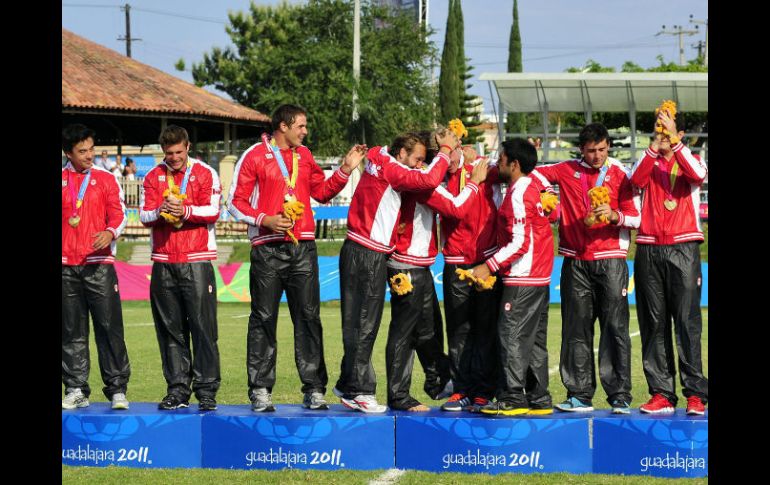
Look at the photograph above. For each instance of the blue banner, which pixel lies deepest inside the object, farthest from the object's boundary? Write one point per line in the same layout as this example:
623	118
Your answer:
144	163
294	437
328	267
139	438
437	442
662	446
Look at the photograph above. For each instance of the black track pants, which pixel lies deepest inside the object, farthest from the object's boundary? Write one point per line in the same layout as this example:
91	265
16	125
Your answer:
471	321
430	353
183	297
276	267
92	288
521	334
362	292
412	325
668	285
591	290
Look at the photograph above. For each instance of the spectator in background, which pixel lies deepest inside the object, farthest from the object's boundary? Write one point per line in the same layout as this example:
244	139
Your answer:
117	169
667	270
129	171
105	162
93	216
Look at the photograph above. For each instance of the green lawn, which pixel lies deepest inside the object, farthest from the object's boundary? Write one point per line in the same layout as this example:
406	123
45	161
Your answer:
147	385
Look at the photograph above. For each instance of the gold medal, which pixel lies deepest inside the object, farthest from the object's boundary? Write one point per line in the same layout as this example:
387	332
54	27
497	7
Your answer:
74	221
669	204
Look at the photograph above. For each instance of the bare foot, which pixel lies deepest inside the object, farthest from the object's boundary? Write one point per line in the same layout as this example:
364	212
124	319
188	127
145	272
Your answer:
419	408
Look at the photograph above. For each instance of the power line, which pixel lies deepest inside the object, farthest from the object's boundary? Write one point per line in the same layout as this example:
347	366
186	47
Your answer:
178	15
89	5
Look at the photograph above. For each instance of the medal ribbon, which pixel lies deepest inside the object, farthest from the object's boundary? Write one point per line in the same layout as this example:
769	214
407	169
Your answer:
170	178
77	201
291	182
668	182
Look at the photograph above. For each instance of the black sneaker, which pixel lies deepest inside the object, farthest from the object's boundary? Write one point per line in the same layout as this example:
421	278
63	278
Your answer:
172	402
207	404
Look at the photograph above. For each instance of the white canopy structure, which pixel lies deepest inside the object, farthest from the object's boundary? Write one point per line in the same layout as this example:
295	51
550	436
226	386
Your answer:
529	92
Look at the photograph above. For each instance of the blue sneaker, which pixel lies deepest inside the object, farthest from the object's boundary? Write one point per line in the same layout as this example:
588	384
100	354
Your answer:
457	402
620	407
574	405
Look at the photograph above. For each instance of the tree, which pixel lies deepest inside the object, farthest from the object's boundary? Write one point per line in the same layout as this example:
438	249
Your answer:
468	104
516	122
449	79
303	54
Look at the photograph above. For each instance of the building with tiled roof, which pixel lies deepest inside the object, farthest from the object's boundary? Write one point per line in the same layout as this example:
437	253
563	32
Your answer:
128	103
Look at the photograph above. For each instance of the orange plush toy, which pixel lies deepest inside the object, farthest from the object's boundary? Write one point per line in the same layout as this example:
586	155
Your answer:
670	107
548	200
481	285
599	195
401	283
172	219
293	209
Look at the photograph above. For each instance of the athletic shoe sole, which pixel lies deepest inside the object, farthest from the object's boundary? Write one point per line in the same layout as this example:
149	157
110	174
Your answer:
266	409
352	404
621	411
692	412
84	404
658	411
172	408
120	406
320	407
575	410
513	412
540	412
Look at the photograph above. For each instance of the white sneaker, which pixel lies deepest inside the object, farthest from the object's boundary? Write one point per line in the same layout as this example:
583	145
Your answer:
74	399
119	401
366	403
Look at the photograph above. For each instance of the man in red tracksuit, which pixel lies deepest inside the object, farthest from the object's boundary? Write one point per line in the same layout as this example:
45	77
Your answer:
524	259
93	216
180	203
667	270
415	313
277	170
594	276
471	315
372	220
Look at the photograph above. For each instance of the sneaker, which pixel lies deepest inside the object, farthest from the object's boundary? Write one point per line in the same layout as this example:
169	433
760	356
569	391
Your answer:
172	402
575	405
539	411
366	403
207	404
261	401
314	400
695	406
119	401
620	406
337	392
477	404
74	399
456	402
504	408
658	404
447	391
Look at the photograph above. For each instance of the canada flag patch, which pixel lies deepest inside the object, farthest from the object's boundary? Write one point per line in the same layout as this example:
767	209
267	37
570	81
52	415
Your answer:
508	306
624	292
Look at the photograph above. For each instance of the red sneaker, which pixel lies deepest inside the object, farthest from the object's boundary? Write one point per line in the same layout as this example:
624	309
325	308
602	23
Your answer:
657	405
695	406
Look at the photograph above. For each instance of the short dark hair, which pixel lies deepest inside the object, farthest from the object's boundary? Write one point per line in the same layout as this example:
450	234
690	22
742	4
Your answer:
286	113
523	151
593	133
405	140
129	160
73	134
172	135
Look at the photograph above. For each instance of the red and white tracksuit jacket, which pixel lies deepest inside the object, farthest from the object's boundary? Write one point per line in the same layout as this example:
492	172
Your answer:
258	190
472	238
651	173
102	210
196	239
524	236
600	241
416	238
374	210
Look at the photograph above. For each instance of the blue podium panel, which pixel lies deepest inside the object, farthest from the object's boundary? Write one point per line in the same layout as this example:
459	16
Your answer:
294	437
439	441
142	437
642	444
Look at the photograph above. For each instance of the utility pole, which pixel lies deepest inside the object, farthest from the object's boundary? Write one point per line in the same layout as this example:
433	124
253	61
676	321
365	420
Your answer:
706	23
699	46
356	57
679	30
128	37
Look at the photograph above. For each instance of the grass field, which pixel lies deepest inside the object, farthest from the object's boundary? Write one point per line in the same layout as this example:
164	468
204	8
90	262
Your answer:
147	385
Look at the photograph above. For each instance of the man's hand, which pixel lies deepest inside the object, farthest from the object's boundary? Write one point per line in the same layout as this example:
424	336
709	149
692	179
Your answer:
447	137
353	158
606	210
481	272
277	223
469	153
172	206
479	173
668	122
102	239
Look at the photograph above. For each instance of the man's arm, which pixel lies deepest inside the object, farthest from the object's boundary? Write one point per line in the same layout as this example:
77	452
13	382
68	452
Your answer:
151	200
453	207
322	189
692	168
243	187
404	179
207	213
642	170
629	213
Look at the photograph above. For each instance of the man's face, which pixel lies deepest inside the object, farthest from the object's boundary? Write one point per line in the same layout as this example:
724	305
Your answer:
296	132
454	160
415	158
595	153
82	155
175	156
664	142
104	154
504	168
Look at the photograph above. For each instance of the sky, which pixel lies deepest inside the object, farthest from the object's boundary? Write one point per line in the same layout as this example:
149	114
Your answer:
555	34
